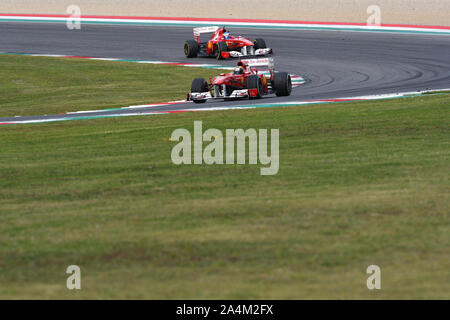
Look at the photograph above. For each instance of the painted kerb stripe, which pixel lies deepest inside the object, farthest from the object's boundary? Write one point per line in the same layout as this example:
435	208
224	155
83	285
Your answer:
247	23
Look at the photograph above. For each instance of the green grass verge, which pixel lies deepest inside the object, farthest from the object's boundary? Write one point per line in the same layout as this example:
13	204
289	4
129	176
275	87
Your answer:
40	85
359	184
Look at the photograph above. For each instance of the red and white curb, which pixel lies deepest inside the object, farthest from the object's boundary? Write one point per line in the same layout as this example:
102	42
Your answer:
194	65
246	23
82	115
296	79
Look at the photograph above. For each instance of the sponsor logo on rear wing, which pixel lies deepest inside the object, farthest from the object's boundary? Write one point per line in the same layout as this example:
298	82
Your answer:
262	63
198	31
206	29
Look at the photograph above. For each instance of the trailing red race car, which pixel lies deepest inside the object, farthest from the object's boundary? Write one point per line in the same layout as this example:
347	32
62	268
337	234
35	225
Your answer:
252	79
222	45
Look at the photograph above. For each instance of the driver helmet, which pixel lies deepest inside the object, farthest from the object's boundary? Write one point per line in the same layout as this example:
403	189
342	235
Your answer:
242	65
239	70
226	35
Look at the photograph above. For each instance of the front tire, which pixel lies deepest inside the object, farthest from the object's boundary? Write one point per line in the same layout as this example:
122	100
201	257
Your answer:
254	82
282	84
220	47
259	44
190	49
199	85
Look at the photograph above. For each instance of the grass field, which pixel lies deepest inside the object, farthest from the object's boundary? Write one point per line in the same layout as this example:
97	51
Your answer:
40	85
359	184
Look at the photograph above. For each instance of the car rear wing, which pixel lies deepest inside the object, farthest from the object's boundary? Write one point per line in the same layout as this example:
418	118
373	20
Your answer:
198	31
260	64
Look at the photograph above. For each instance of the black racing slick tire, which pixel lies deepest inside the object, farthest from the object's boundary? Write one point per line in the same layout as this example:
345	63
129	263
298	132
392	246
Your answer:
254	82
282	84
220	47
190	49
259	44
199	85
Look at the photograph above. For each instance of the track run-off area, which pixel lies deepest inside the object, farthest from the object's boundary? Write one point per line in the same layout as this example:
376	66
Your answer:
340	63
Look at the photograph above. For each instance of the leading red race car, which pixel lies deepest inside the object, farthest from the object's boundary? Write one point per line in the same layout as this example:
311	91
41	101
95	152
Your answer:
222	45
252	79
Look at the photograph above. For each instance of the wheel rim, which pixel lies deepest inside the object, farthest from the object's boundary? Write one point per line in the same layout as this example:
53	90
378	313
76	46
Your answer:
186	49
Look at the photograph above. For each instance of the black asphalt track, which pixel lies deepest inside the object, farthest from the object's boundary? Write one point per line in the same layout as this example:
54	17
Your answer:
337	63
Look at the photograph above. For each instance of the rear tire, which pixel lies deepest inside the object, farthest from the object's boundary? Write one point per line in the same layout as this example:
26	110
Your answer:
254	82
282	84
190	49
199	85
259	44
220	47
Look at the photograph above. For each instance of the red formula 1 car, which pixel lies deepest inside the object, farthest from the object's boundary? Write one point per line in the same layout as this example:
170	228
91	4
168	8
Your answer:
252	79
222	45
